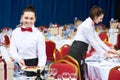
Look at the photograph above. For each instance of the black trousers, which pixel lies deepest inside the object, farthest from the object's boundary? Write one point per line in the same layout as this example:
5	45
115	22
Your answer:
31	62
78	50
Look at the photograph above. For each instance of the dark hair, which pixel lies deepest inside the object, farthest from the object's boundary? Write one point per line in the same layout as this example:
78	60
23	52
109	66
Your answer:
95	11
29	8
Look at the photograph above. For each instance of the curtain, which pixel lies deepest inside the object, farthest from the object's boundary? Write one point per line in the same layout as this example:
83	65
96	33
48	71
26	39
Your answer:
55	11
117	10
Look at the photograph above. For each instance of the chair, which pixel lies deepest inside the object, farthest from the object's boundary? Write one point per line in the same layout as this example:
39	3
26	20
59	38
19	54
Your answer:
57	55
109	44
50	50
64	50
71	59
74	61
117	46
6	40
103	36
64	66
114	73
89	53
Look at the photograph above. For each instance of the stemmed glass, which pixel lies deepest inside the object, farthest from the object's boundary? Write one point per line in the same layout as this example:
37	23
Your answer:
53	71
59	77
46	72
20	74
73	76
66	76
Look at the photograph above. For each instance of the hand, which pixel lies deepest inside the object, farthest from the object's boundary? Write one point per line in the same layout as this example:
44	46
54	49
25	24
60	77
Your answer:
113	51
21	63
107	55
110	55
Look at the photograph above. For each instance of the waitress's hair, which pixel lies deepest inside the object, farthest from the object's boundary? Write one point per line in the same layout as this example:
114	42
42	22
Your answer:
29	8
95	11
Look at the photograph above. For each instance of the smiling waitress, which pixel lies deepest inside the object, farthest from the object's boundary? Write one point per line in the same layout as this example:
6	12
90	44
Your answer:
27	45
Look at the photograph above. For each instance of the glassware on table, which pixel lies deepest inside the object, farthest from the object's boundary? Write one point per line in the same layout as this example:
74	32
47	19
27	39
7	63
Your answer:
38	75
112	59
53	71
46	72
20	75
52	74
59	77
73	76
66	76
46	69
117	60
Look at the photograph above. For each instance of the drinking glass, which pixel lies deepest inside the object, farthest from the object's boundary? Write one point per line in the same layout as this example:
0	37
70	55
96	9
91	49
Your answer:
73	76
59	77
53	71
46	72
65	76
21	75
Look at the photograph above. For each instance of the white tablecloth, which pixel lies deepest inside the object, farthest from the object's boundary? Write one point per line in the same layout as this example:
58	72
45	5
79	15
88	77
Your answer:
60	41
24	78
99	69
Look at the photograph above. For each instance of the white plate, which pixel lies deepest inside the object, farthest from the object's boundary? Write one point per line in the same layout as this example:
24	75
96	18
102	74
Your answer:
30	68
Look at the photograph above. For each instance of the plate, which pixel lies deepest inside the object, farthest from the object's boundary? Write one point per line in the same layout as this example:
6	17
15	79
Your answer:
30	68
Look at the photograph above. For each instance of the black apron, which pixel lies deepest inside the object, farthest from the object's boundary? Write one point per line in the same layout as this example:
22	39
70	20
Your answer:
31	62
78	50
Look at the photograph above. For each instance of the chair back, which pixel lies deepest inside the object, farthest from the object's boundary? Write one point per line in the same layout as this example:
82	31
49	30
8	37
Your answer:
7	40
57	55
103	36
114	73
75	62
64	50
117	46
50	50
64	66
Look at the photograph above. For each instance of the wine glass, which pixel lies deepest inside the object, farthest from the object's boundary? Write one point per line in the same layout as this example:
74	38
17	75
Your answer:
73	76
46	72
21	75
59	77
53	71
66	76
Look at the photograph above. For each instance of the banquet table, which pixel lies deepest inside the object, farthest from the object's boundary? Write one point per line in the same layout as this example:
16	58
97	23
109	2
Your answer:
60	41
98	69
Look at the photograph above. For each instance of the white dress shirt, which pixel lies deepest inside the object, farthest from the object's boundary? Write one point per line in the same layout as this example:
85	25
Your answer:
86	33
28	45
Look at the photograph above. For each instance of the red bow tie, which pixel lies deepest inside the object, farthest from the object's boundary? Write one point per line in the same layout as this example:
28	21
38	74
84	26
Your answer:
26	29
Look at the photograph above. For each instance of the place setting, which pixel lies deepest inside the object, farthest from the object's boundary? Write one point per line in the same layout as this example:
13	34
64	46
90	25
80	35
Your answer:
21	74
114	57
30	68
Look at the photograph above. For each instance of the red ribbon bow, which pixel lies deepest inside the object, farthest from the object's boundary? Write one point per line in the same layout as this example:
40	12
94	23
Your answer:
26	29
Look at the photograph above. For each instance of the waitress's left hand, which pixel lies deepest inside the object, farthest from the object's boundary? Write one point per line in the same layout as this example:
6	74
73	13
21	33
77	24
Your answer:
113	51
21	63
107	55
111	55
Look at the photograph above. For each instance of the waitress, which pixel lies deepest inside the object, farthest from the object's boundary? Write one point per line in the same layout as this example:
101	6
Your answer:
27	45
86	35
